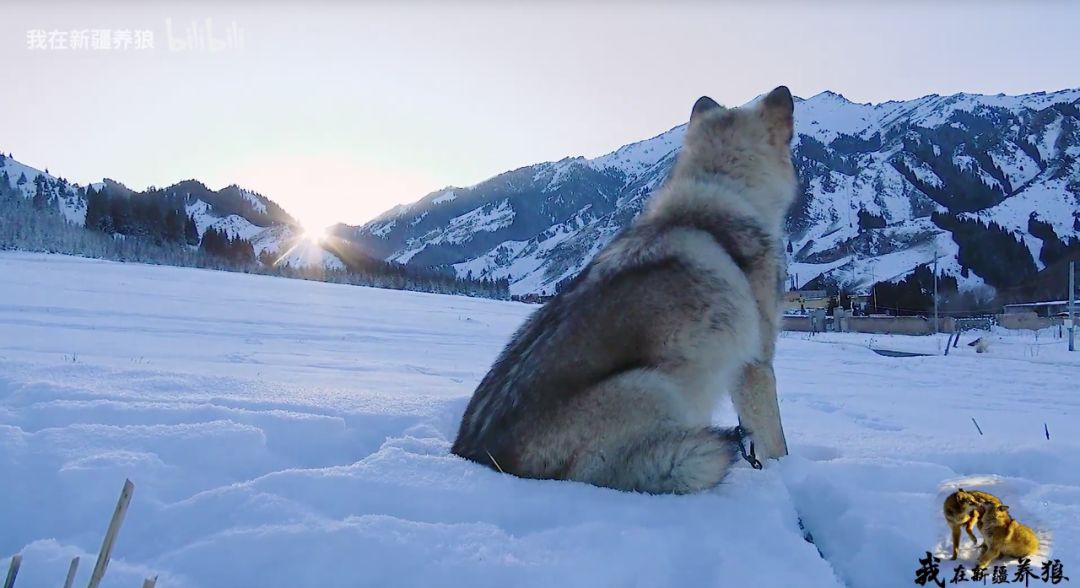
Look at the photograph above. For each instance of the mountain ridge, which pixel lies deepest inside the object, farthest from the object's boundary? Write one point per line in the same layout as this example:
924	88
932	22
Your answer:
997	159
232	210
884	188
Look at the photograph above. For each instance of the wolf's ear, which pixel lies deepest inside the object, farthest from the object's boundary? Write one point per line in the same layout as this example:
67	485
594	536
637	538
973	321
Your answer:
703	105
778	110
959	489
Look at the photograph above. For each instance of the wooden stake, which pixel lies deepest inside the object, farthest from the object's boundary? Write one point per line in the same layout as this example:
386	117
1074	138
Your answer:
13	570
74	567
110	535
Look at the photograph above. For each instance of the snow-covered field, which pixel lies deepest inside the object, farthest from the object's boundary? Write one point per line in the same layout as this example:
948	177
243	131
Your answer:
290	433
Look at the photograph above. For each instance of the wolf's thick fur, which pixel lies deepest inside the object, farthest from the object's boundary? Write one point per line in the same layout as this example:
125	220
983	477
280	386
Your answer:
962	510
614	381
1004	536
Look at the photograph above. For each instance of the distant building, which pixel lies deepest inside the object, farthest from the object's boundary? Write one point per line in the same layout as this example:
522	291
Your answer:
1050	308
800	301
531	298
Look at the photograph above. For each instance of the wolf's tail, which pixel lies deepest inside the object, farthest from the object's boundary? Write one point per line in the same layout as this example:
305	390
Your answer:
674	462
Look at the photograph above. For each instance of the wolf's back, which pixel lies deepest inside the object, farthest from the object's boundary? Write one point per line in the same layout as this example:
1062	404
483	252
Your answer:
486	434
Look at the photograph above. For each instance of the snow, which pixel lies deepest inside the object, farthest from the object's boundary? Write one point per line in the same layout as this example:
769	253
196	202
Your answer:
1047	143
15	170
71	205
383	229
1051	202
1018	166
826	115
462	228
924	173
1043	303
524	262
968	163
414	246
554	174
536	262
256	203
237	226
637	157
294	433
926	240
936	110
305	253
234	225
201	212
286	244
447	196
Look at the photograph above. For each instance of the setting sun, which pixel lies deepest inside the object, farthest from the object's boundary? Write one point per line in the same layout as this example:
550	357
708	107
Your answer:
315	234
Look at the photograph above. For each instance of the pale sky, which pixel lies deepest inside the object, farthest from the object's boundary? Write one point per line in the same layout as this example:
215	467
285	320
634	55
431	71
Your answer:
340	111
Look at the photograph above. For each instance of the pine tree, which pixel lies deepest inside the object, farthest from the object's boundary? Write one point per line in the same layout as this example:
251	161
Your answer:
191	231
97	211
41	194
121	215
868	220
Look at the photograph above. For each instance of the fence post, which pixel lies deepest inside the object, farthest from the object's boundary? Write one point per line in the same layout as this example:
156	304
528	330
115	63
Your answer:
110	534
74	567
13	570
1072	305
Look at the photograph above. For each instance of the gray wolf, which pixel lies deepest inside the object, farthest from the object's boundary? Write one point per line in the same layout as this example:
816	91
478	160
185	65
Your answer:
615	380
962	511
1004	535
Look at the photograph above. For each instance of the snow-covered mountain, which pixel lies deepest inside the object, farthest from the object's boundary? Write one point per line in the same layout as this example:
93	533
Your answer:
21	179
244	214
884	187
234	211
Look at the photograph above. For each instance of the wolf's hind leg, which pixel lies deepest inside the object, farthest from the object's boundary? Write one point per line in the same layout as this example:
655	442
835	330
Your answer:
636	432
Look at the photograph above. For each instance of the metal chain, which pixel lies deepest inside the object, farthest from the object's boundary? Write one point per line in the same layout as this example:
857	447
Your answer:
749	456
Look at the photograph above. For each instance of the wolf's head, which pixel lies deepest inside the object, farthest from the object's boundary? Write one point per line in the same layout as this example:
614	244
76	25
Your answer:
994	515
747	148
968	501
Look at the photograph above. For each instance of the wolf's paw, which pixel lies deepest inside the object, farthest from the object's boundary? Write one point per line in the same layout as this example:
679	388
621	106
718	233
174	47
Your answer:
701	459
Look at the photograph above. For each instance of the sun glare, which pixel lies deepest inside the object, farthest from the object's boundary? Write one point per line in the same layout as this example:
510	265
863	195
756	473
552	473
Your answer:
315	234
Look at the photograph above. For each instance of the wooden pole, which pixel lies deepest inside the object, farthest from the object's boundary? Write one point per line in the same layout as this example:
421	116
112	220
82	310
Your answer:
1072	305
13	570
936	331
74	567
110	534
